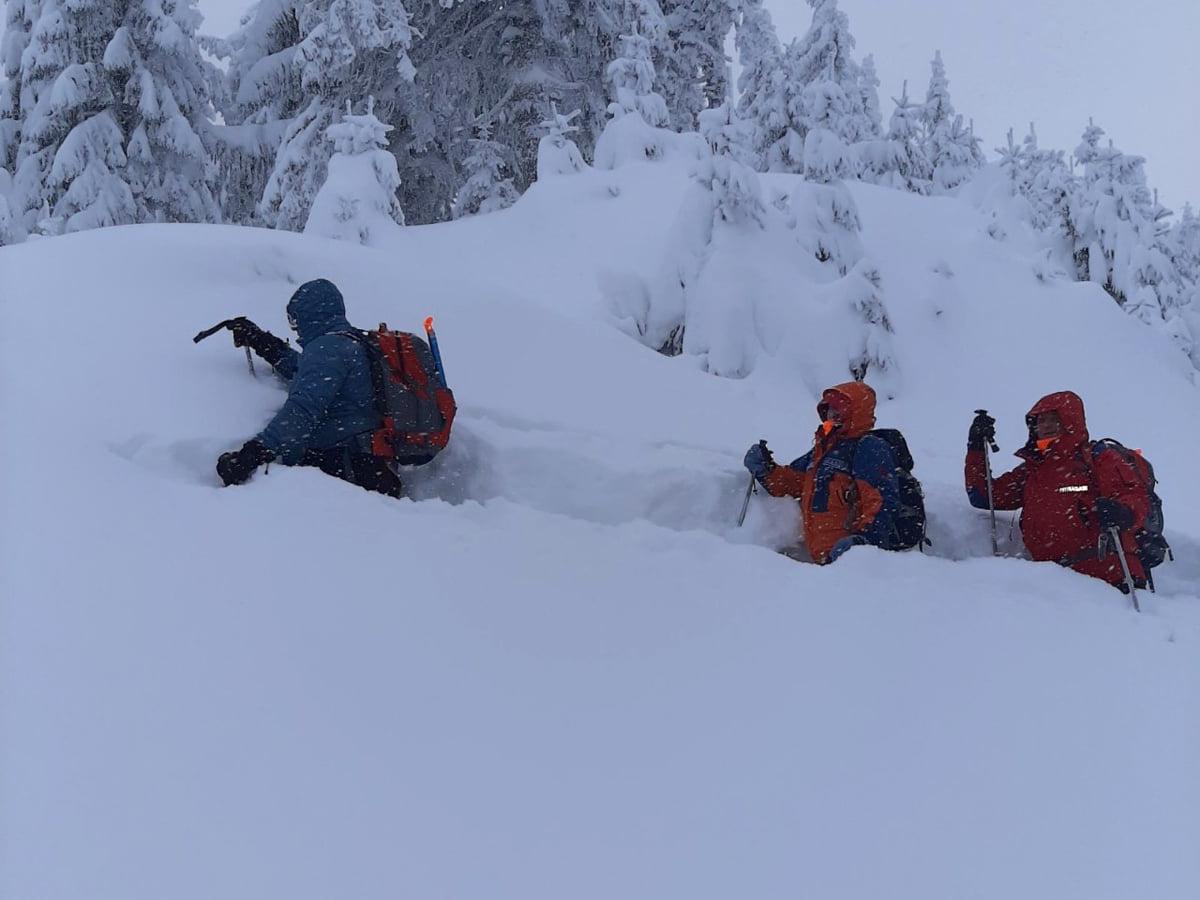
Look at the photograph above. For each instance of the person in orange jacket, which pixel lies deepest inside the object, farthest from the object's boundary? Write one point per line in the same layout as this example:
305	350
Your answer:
847	484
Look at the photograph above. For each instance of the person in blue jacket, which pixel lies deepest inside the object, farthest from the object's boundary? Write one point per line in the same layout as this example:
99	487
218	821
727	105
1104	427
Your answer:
330	411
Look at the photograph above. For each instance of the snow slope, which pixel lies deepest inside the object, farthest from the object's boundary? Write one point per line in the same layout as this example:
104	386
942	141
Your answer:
563	672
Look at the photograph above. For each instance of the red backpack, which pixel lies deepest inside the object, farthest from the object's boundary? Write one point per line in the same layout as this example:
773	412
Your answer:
1153	548
411	395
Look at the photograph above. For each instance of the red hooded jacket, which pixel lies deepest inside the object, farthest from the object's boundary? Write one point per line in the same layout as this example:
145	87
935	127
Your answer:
1057	491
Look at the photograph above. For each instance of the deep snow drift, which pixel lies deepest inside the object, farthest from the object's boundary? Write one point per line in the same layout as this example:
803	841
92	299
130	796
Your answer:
563	672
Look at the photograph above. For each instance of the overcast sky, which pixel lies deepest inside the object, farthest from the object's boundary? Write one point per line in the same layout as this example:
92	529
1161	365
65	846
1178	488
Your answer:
1134	66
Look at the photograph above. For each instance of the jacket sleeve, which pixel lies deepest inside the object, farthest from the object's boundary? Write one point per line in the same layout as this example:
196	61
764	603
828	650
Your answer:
788	481
1118	481
1008	490
281	355
319	374
874	474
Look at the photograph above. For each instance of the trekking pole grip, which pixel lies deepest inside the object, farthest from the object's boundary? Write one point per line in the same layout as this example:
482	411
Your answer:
991	441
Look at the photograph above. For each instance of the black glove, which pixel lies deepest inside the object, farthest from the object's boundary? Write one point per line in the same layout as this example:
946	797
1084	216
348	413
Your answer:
236	466
983	432
759	460
247	334
1113	514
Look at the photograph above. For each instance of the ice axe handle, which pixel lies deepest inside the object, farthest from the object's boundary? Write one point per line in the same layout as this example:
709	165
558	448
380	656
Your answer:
209	332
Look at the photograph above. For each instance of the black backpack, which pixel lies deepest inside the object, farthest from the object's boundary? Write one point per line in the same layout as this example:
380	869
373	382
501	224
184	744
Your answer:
910	517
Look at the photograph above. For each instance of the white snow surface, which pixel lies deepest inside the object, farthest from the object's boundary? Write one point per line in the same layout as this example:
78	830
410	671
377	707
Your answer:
560	671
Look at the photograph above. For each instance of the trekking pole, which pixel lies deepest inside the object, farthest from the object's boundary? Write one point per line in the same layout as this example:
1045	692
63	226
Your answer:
1116	539
433	346
751	488
987	467
250	362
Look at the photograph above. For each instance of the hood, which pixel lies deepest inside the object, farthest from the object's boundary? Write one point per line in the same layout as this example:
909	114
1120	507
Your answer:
318	308
859	398
1069	407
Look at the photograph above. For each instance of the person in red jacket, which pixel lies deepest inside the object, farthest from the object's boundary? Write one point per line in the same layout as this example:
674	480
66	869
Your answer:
1069	495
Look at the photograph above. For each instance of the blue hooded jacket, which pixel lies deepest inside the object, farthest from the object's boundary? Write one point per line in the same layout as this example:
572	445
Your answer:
331	399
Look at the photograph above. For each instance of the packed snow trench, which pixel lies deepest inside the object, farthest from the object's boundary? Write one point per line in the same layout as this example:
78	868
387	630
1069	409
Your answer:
560	670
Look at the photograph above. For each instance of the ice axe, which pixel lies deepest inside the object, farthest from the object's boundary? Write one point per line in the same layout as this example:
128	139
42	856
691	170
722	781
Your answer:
227	323
750	489
987	468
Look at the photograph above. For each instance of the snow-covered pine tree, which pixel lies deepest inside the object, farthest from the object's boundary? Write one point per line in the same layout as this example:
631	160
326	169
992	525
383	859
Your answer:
736	192
1043	178
825	88
10	230
557	153
898	160
1123	243
262	95
489	187
872	352
1112	215
1185	241
693	71
637	110
951	148
632	73
113	97
827	220
155	55
341	48
19	16
358	200
762	101
868	88
905	127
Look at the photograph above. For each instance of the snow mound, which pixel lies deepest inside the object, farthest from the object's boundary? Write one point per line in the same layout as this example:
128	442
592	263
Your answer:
560	670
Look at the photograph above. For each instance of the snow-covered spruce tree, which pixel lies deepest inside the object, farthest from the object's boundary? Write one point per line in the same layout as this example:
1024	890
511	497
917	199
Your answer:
871	353
693	71
698	309
10	230
488	187
825	83
114	95
951	148
341	49
155	56
638	111
1123	242
632	73
498	66
762	100
262	96
736	192
827	219
1185	242
19	16
1112	215
358	200
1043	179
557	153
904	132
868	89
